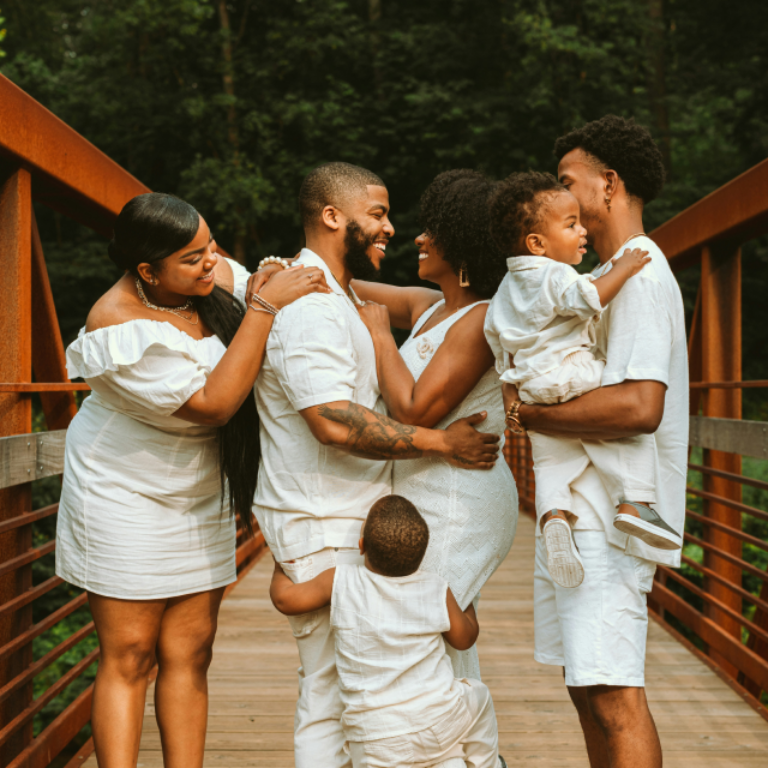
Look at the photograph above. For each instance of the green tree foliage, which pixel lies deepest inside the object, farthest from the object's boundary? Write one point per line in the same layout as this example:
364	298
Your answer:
3	33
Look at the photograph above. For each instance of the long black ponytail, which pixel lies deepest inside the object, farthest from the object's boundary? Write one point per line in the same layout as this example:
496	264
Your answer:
149	229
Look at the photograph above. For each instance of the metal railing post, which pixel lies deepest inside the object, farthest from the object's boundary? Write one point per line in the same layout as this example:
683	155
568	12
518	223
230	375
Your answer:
15	418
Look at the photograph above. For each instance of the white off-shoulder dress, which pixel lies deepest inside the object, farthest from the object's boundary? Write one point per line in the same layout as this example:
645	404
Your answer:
141	513
471	513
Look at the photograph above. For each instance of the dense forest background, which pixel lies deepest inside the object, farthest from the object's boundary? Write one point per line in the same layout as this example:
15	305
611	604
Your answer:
230	103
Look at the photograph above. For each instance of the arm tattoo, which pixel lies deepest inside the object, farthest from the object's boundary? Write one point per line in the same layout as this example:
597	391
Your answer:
372	435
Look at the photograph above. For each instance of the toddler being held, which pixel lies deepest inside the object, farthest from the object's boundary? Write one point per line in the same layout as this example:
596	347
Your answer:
541	327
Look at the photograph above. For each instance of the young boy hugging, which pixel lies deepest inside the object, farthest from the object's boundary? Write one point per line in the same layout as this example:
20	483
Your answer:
543	320
402	704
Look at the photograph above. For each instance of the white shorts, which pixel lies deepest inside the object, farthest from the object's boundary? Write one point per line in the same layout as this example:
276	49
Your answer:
598	630
579	373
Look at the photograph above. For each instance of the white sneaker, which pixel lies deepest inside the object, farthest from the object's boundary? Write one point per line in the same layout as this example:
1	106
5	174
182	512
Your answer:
563	559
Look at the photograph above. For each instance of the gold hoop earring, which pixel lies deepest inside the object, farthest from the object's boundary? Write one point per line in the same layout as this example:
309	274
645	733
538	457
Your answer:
463	276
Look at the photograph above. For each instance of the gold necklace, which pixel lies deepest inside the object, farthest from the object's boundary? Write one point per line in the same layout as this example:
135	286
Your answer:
631	237
350	295
186	307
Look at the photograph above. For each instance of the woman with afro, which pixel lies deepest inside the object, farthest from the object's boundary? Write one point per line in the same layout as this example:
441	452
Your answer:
443	372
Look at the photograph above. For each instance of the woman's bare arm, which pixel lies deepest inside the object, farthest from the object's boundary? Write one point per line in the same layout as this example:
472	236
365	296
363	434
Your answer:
455	369
405	305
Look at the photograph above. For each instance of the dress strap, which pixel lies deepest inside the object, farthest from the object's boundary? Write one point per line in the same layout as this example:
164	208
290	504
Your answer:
425	315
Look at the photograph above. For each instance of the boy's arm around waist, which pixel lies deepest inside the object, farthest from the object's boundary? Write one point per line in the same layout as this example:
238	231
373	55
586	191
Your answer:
294	599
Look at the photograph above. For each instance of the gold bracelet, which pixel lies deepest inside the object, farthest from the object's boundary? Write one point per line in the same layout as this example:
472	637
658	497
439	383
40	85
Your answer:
264	303
512	418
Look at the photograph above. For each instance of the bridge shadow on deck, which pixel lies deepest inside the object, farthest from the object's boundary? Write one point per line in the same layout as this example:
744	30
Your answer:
253	687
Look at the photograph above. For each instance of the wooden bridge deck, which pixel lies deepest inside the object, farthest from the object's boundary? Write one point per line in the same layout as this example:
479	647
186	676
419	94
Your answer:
253	687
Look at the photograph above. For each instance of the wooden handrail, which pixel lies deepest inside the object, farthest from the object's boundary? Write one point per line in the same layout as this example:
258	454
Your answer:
54	387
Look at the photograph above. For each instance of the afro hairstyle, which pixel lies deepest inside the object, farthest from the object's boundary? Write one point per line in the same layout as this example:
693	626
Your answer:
455	214
620	144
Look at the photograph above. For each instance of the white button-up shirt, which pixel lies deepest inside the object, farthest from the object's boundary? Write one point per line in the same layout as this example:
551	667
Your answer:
312	496
543	311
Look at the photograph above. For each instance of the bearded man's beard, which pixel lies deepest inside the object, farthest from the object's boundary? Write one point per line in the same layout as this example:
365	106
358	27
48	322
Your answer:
356	258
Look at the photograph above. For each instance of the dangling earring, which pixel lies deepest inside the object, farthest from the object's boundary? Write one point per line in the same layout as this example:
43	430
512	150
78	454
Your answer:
463	276
608	202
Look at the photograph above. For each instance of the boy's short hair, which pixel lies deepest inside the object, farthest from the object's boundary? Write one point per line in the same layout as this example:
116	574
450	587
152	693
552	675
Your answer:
395	536
621	145
518	207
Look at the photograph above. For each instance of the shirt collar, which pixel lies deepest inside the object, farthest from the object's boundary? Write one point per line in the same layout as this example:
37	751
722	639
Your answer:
310	258
519	263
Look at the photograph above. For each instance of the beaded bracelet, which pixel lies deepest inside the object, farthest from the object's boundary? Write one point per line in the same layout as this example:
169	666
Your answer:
273	260
265	305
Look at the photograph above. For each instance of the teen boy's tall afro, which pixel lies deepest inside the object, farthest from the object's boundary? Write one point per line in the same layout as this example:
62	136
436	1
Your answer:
623	146
455	215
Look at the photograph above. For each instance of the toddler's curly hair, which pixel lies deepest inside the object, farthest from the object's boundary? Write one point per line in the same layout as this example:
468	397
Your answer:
624	146
455	215
518	206
395	536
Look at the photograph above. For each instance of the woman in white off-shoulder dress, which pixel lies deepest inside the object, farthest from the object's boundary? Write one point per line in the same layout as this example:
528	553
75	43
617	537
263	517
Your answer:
445	371
144	525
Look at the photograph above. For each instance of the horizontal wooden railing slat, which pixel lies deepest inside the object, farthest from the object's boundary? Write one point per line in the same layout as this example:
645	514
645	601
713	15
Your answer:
28	518
731	531
743	564
56	387
24	458
28	557
747	438
25	598
710	574
759	484
726	502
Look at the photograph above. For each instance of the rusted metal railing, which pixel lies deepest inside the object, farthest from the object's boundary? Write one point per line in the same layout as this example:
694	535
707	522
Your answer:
44	160
703	603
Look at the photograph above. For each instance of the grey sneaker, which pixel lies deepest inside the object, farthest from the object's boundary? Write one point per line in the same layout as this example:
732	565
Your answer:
649	527
563	560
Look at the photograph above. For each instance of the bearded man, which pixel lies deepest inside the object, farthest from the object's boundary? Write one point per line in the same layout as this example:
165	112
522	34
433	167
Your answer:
327	443
598	630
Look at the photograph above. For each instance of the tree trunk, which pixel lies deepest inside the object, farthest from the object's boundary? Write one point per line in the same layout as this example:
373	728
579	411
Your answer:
233	134
657	89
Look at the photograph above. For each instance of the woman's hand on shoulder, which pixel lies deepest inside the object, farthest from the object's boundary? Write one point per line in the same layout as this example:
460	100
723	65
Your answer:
376	318
284	287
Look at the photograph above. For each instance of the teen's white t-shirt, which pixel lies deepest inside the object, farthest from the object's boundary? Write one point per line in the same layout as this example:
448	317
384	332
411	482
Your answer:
642	335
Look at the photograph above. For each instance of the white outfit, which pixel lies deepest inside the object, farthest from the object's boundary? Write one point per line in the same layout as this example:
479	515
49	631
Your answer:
395	677
140	515
471	513
312	496
598	630
545	318
311	499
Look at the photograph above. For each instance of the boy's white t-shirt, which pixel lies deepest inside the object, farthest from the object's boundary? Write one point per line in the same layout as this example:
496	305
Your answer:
642	335
394	675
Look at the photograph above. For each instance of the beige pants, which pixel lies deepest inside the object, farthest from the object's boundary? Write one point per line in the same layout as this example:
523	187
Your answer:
470	738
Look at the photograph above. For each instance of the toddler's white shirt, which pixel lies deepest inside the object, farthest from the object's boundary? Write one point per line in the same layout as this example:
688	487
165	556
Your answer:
394	674
543	311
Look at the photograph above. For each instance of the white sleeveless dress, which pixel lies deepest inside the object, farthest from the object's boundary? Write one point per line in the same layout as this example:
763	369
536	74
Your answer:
471	513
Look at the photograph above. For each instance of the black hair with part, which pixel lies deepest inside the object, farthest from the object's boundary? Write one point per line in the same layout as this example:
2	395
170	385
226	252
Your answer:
150	228
455	214
333	184
621	145
518	208
395	536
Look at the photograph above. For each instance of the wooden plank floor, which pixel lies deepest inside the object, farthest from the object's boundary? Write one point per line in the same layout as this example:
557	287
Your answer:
253	687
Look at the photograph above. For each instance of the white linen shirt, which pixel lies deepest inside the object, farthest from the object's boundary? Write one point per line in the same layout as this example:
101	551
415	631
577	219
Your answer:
394	674
312	496
543	311
642	335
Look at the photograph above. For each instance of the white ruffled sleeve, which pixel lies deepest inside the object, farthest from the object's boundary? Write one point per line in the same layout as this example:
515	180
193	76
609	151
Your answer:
241	275
152	365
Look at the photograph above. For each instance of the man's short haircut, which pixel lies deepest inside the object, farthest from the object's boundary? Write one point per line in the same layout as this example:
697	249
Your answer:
333	184
621	145
395	536
518	208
